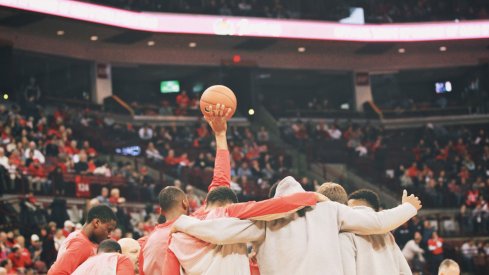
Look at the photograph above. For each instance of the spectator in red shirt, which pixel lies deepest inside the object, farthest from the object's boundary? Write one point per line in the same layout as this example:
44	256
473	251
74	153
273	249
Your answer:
183	100
413	170
472	198
115	197
91	152
37	176
72	148
460	147
171	159
19	261
435	247
464	173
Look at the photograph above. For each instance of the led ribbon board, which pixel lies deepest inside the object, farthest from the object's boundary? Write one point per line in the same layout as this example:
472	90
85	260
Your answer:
253	27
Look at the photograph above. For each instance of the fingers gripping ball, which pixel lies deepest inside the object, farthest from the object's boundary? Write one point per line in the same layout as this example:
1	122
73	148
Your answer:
217	94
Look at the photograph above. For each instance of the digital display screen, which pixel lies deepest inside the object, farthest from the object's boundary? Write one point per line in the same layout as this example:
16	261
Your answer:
169	86
443	87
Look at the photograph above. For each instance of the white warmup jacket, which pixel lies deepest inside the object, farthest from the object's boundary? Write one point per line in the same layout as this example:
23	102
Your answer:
296	245
372	254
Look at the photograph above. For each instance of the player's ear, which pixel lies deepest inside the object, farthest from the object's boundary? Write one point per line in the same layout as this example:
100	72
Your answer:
95	223
185	204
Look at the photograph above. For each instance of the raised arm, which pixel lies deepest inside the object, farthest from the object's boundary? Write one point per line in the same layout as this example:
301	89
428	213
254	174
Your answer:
231	230
364	222
222	164
275	208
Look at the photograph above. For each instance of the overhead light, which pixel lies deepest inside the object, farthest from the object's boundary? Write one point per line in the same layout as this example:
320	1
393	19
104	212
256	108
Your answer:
151	43
60	32
443	49
192	44
401	50
94	38
236	58
301	49
251	111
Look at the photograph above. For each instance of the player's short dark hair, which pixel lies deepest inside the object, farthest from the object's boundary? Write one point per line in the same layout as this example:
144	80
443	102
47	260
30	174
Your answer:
273	190
368	196
108	246
221	195
170	197
101	212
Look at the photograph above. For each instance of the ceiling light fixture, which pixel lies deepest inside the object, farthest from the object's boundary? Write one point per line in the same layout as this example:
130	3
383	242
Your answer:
301	49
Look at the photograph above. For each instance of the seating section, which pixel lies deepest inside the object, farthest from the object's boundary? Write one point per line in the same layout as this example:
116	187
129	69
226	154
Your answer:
377	11
446	165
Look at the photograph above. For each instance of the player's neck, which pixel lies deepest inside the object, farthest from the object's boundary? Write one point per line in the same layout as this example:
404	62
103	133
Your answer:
87	230
173	215
216	205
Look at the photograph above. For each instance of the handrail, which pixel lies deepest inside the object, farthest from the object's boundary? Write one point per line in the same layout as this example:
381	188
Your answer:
124	104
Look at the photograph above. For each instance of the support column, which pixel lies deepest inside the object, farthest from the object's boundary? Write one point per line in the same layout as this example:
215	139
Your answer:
101	82
363	90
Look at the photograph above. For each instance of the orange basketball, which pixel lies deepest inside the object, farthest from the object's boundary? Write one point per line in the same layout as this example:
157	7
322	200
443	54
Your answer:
218	94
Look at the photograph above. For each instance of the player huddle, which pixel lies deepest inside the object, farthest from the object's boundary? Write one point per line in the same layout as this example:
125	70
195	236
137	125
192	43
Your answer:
294	232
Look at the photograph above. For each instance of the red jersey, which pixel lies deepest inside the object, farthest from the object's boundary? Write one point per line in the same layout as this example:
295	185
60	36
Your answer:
75	250
435	246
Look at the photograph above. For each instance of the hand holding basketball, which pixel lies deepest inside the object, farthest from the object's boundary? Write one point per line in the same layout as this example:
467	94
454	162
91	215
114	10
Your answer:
217	118
217	94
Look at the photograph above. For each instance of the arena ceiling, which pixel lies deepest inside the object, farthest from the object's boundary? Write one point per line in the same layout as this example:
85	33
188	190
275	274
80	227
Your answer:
41	33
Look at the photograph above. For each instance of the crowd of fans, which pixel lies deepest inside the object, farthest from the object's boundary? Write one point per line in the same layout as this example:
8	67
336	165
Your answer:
38	148
362	140
376	11
425	249
450	168
448	165
183	104
254	165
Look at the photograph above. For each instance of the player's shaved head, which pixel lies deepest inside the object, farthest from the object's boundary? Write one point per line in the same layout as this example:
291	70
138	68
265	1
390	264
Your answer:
334	192
449	267
170	197
109	246
131	248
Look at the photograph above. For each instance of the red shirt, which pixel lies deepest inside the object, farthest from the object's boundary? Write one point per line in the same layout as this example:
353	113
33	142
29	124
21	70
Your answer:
435	246
36	171
18	261
75	250
153	249
412	172
183	100
71	151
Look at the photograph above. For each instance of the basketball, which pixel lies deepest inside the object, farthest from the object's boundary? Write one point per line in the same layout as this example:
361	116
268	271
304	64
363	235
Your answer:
218	94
